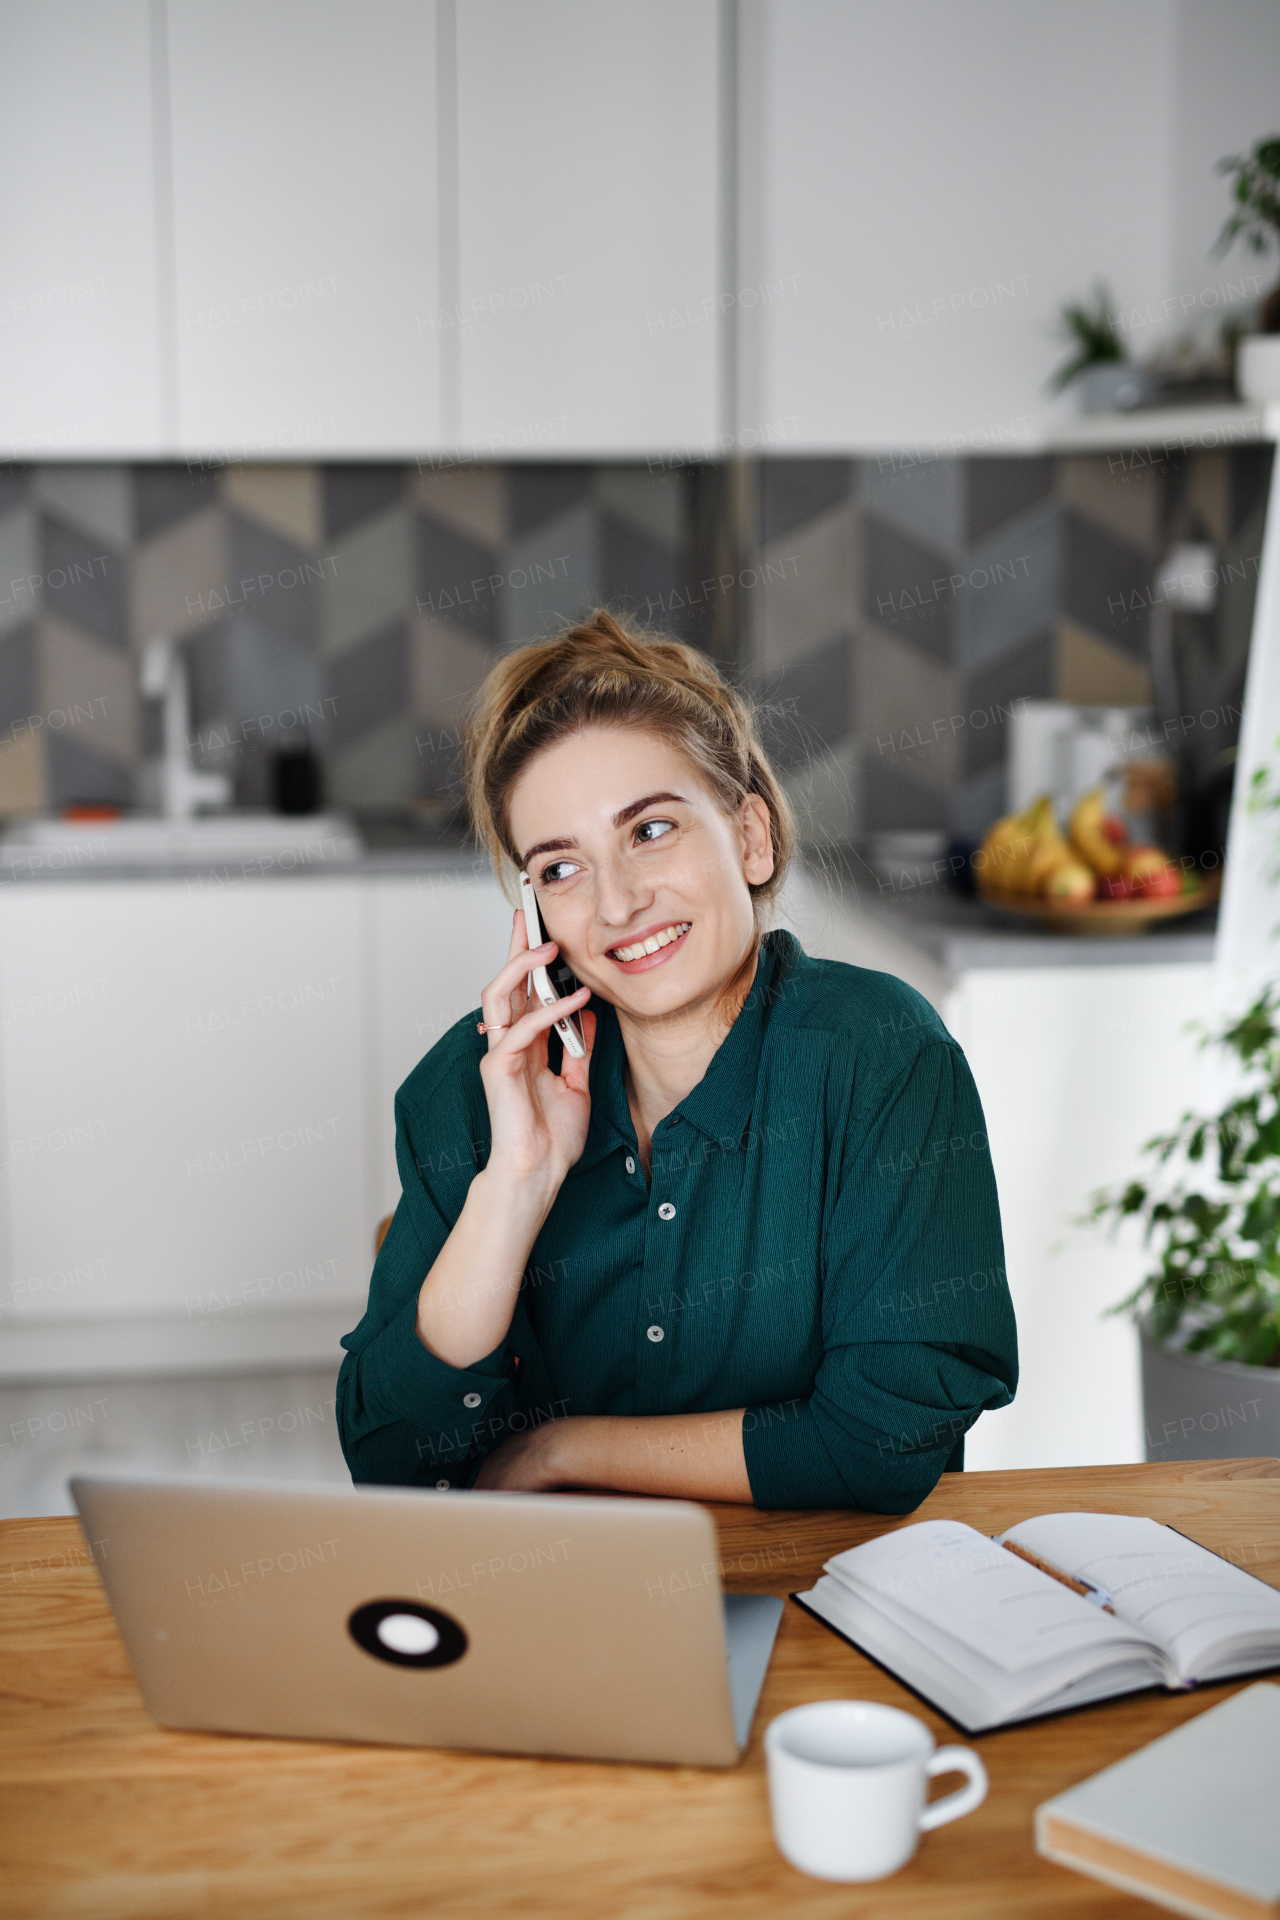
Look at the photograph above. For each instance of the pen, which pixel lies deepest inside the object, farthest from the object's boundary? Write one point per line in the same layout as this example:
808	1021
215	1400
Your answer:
1097	1596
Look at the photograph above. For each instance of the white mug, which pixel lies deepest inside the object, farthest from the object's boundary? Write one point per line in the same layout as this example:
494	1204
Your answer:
847	1785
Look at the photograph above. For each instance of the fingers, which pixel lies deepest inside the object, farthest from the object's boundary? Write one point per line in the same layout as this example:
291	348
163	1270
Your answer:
573	1072
522	1033
503	1001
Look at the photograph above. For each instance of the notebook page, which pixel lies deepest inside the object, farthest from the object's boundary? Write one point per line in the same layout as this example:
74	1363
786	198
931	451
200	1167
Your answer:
960	1582
1188	1600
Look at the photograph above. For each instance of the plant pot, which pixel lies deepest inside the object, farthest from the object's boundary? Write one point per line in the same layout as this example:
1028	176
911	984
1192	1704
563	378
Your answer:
1112	387
1198	1409
1258	367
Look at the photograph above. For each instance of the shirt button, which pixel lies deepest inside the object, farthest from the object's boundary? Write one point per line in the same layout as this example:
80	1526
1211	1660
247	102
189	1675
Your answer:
631	1165
655	1334
666	1211
442	1486
471	1399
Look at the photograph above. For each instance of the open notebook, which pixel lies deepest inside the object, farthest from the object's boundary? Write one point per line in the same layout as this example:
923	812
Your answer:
1090	1605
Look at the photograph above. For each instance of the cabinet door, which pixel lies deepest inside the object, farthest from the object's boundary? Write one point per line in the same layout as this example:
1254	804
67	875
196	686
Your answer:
183	1102
438	938
304	196
589	313
78	289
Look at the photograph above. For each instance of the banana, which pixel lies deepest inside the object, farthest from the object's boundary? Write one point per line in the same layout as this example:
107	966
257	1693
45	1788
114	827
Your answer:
1087	832
1002	855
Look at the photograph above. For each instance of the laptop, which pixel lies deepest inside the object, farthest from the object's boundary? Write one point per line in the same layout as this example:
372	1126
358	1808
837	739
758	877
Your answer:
556	1624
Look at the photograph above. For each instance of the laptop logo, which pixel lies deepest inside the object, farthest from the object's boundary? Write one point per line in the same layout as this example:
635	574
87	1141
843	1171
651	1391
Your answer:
404	1633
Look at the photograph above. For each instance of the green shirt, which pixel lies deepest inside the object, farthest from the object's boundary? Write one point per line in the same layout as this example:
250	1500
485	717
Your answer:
819	1242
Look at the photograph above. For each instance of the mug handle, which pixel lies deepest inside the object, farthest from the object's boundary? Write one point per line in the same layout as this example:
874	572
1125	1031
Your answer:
964	1799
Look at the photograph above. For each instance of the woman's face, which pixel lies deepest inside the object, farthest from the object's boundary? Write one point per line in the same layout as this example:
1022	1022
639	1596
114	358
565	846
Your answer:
626	846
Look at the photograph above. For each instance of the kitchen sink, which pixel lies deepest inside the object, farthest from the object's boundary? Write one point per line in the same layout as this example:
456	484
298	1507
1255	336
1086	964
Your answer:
249	842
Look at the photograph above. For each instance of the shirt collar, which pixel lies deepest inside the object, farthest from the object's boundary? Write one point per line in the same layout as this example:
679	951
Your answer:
720	1106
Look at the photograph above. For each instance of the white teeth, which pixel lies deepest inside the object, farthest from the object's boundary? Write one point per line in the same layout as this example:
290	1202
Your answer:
653	943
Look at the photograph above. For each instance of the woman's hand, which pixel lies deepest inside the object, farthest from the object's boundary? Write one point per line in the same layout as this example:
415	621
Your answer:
538	1126
525	1462
537	1119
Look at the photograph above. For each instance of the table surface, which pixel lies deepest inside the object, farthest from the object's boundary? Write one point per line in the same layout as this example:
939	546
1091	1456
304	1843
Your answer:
106	1814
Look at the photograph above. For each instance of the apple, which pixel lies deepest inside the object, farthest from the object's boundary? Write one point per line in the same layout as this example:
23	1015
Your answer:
1113	830
1071	882
1162	885
1140	863
1115	886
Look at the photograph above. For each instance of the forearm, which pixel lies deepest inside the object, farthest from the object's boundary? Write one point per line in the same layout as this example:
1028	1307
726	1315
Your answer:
467	1299
691	1456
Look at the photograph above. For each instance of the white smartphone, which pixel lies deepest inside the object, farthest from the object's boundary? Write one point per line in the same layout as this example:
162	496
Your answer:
556	981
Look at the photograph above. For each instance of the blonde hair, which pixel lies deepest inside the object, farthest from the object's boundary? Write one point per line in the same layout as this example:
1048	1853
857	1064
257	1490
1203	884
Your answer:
602	674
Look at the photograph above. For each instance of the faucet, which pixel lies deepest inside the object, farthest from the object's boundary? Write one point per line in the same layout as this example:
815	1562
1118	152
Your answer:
173	783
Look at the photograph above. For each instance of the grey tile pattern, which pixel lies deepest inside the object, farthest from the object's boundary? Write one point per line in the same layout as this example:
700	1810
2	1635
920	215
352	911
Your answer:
908	589
368	685
457	579
924	497
1025	672
19	677
166	494
536	494
551	576
1012	586
877	605
806	709
1106	584
355	493
642	576
273	579
14	483
76	773
1002	486
793	492
84	581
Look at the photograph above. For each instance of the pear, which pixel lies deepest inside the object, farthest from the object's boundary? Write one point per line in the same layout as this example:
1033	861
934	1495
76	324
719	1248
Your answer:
1090	830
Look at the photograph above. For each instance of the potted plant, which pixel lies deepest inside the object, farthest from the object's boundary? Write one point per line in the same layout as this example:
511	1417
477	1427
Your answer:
1108	381
1209	1311
1255	218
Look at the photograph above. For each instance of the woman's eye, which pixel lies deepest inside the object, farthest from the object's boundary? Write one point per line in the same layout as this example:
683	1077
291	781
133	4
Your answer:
556	870
650	830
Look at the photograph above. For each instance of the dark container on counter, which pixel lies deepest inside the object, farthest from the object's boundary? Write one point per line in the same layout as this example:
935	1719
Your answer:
295	777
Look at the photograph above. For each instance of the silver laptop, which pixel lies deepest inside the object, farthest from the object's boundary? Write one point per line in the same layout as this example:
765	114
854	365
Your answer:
519	1623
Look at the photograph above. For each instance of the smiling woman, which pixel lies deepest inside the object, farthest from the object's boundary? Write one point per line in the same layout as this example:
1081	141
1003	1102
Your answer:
747	1248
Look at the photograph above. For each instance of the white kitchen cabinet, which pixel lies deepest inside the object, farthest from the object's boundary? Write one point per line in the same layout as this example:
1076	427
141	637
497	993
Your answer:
79	292
435	939
590	309
1076	1067
182	1078
305	208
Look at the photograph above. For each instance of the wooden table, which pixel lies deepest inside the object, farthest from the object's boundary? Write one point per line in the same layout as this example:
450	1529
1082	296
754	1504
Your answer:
104	1814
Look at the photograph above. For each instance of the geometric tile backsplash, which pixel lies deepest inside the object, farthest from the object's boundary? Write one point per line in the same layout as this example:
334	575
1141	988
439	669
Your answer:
886	611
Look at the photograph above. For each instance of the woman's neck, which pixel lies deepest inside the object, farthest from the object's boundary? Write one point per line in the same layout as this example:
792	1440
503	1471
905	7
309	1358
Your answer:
667	1058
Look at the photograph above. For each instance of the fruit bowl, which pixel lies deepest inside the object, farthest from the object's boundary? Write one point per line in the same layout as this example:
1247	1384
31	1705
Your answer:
1105	916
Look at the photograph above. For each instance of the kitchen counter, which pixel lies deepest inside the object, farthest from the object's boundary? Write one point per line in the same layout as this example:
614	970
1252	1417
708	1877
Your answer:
393	842
932	937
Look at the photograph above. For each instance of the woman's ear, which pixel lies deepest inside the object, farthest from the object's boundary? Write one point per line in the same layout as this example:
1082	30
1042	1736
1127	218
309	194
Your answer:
757	840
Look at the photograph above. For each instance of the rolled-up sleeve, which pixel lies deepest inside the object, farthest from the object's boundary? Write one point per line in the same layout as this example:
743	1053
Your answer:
406	1417
917	1324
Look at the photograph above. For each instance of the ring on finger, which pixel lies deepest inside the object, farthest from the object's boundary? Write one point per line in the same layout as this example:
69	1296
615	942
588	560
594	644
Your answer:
491	1026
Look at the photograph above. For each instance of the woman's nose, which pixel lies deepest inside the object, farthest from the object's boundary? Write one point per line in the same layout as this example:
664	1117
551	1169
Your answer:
619	895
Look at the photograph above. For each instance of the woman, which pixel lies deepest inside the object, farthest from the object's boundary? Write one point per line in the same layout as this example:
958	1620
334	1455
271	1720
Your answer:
749	1247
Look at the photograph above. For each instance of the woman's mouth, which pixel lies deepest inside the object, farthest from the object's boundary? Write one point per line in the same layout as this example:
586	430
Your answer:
637	956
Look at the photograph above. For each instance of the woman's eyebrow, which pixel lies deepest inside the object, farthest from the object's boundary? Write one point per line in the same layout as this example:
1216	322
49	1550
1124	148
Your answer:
638	806
620	819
